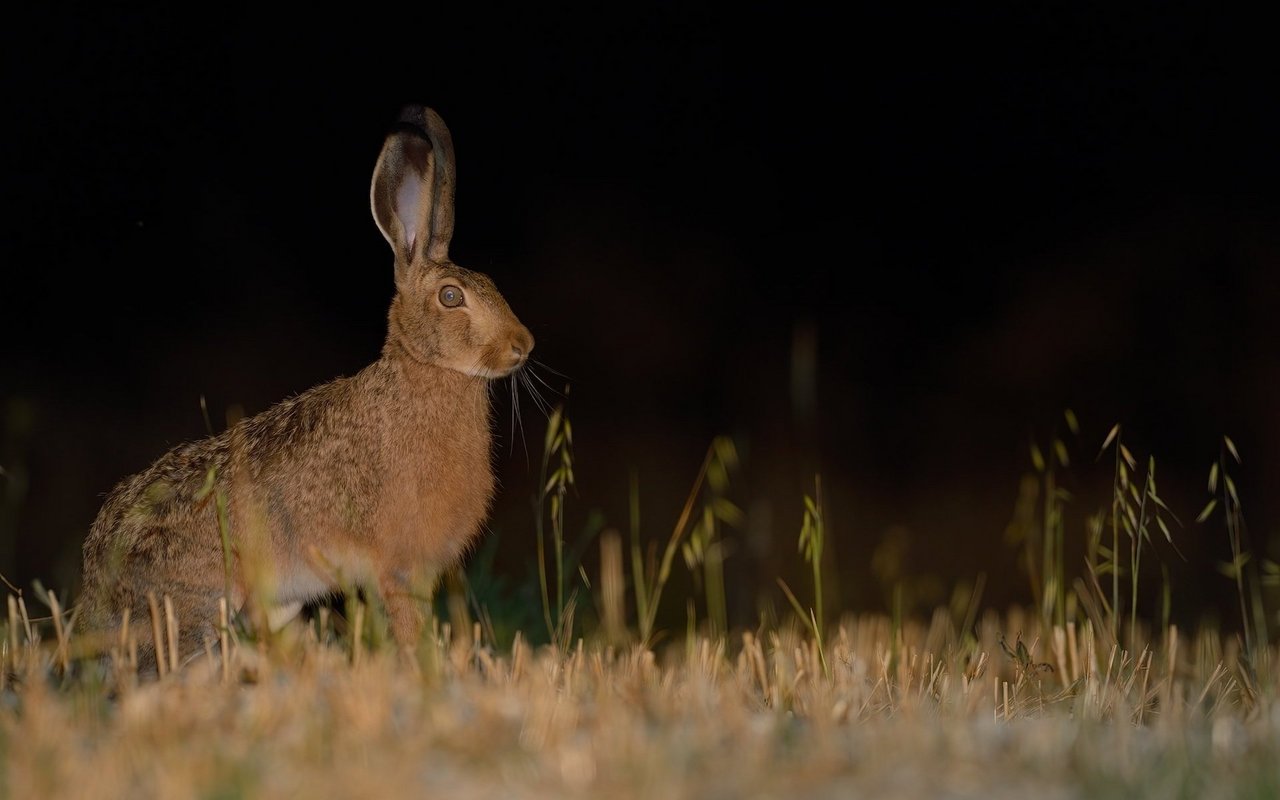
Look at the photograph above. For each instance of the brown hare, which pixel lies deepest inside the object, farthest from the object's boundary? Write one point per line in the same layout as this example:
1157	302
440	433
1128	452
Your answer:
381	479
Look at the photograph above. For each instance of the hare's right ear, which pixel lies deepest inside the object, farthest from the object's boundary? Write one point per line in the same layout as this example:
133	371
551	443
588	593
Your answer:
403	192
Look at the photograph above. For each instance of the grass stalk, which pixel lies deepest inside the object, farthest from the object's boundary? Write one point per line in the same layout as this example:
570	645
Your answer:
658	581
550	503
812	541
703	547
638	581
157	624
1117	498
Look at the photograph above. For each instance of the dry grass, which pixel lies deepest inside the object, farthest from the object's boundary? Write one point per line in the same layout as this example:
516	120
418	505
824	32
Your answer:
1072	698
927	713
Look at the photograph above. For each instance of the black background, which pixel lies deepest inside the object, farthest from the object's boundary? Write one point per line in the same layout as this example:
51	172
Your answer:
983	219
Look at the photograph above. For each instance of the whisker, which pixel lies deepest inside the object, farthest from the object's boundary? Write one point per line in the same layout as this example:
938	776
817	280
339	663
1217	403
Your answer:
546	404
538	399
549	369
522	379
519	422
544	383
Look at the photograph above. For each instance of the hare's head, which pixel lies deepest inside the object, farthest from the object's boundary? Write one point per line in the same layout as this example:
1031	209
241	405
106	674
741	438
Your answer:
442	314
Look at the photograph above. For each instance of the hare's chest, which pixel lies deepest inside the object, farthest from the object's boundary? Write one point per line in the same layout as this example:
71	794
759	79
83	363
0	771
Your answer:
439	507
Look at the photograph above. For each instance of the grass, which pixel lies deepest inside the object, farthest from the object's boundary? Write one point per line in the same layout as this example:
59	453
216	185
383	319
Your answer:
1077	695
320	713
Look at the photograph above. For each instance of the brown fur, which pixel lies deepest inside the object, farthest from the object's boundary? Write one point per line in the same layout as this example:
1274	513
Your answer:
381	479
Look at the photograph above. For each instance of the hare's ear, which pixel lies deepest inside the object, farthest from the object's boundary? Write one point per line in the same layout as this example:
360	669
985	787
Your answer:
412	192
442	200
402	191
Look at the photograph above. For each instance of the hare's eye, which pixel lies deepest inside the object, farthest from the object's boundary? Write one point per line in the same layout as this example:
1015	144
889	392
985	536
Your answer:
451	297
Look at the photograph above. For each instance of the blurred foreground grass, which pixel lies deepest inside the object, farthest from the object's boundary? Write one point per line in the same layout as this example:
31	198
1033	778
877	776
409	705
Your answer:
916	714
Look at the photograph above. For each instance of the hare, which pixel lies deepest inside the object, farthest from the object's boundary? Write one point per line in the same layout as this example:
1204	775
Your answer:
382	479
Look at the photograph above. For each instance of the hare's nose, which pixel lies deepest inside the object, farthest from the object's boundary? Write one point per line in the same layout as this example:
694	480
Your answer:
522	343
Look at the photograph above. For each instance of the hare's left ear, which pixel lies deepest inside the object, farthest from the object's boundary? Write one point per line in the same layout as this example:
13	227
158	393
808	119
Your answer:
412	191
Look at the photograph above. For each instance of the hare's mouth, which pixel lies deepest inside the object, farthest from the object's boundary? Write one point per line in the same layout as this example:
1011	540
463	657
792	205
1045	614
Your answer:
499	360
493	372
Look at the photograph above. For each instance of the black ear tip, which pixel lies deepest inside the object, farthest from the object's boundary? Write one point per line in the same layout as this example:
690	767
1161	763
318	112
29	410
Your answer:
414	115
426	120
414	122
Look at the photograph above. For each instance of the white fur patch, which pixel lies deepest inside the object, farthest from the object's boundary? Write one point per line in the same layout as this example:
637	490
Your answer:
279	616
408	200
299	584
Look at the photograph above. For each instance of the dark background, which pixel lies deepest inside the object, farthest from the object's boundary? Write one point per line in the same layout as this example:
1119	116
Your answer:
978	219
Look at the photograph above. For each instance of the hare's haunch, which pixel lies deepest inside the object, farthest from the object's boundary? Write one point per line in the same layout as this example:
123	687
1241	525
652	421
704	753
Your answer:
381	479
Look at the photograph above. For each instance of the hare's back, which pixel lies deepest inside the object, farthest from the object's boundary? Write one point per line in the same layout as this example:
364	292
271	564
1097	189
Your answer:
177	481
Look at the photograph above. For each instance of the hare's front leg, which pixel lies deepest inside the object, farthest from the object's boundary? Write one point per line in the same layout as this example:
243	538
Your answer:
406	593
